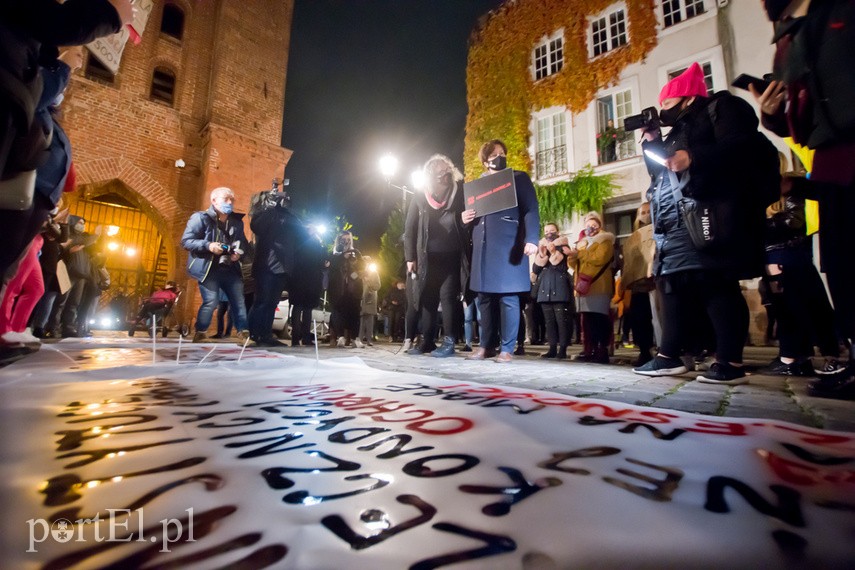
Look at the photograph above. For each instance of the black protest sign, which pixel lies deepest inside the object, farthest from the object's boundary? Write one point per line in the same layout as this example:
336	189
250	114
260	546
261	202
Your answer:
492	193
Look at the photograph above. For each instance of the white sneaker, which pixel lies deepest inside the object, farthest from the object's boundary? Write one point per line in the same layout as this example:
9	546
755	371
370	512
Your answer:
408	344
358	343
13	337
28	338
340	342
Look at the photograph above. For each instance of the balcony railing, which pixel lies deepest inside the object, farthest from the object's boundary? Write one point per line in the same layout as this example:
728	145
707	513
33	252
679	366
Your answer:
551	162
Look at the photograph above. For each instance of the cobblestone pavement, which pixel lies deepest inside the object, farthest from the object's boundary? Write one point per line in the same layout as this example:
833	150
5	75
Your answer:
770	397
767	397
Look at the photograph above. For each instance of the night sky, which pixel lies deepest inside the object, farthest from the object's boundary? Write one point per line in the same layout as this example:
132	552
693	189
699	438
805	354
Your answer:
366	77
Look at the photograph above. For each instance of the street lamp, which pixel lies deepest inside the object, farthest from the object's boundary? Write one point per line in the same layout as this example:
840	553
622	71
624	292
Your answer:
418	179
388	168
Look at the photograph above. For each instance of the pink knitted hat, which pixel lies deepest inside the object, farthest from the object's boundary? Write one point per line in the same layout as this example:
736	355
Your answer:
690	83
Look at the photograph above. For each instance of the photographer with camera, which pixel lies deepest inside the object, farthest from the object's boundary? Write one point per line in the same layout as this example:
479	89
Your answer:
346	285
710	161
214	238
276	232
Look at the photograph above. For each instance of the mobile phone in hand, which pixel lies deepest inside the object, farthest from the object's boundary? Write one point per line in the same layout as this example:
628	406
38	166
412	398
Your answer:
744	80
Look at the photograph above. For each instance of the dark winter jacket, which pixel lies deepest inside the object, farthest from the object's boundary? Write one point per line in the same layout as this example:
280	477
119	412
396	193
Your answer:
79	263
499	264
417	236
277	232
51	175
51	252
814	59
29	33
202	230
345	278
307	280
553	281
721	145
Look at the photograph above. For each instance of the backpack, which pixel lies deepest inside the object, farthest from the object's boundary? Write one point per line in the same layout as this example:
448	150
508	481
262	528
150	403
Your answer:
746	217
765	174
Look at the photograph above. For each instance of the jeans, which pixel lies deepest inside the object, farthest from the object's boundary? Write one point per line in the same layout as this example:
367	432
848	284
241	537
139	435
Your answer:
472	313
69	305
268	293
43	309
224	325
500	312
232	285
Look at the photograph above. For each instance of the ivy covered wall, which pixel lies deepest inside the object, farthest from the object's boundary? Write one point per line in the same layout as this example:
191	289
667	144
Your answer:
501	91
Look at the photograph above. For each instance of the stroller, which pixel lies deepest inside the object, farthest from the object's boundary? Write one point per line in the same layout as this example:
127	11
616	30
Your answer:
158	307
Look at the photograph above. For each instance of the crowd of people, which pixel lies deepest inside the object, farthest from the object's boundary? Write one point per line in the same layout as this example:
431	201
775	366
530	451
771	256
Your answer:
51	268
721	207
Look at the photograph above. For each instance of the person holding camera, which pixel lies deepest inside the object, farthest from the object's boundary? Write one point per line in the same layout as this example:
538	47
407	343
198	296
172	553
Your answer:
813	101
276	231
347	268
710	154
214	238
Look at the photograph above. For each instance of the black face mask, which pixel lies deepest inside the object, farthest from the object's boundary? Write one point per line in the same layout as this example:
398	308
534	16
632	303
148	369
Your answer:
669	117
774	8
498	163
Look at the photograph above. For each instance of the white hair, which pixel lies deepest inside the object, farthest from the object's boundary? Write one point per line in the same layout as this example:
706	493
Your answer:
222	191
458	176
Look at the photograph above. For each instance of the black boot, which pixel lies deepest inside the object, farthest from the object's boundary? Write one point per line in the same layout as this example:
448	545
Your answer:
446	349
562	353
551	353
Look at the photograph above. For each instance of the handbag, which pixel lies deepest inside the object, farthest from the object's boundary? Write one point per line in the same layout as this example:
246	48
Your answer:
16	193
62	279
709	223
584	282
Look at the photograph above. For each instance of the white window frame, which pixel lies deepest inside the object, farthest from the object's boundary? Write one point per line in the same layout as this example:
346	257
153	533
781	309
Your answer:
551	59
713	56
711	7
566	140
605	15
628	84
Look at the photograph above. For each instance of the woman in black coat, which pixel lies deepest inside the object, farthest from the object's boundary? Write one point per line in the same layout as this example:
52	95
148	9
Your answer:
436	247
553	290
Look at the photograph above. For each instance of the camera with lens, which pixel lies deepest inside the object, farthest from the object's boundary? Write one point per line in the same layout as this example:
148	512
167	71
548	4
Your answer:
648	119
228	250
278	197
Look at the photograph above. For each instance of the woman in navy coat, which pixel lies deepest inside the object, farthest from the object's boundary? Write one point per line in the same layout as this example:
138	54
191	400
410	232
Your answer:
501	244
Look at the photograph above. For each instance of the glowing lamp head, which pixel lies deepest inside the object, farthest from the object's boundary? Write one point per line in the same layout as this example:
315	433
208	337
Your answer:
388	165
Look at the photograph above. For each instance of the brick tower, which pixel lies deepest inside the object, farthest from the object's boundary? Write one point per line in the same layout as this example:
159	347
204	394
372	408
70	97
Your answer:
196	105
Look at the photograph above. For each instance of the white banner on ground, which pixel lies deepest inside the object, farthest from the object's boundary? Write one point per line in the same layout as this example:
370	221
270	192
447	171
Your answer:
109	49
108	460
